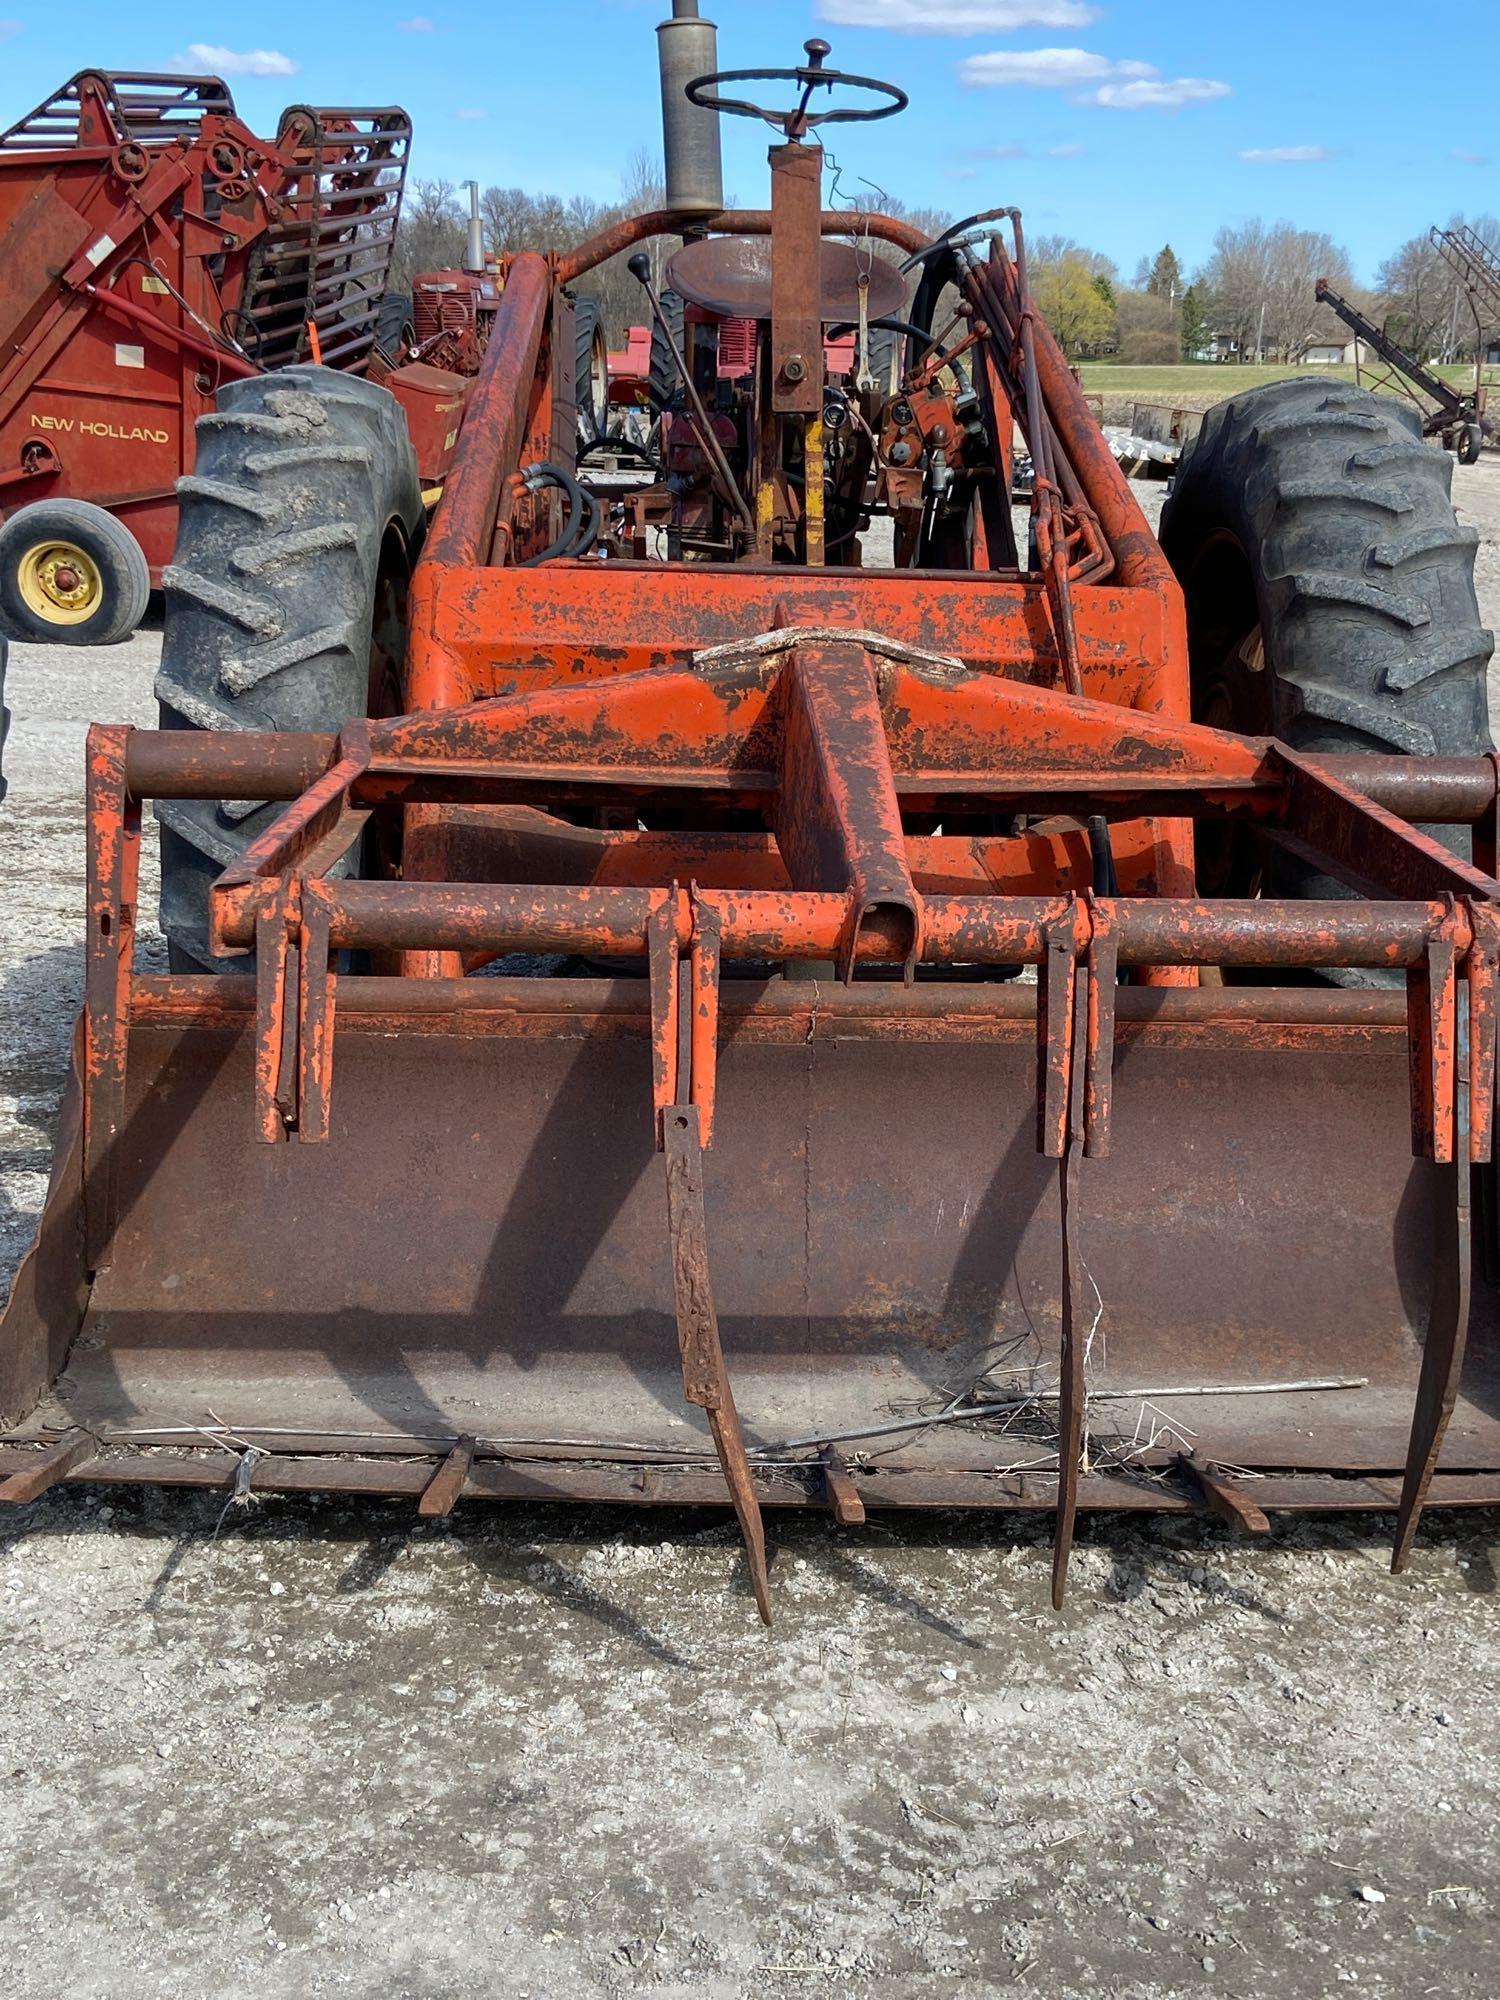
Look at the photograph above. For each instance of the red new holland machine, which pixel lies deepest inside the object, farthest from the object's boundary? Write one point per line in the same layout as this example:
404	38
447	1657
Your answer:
779	983
153	248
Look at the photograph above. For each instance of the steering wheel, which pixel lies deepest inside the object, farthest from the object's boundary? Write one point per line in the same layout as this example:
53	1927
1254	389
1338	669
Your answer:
812	77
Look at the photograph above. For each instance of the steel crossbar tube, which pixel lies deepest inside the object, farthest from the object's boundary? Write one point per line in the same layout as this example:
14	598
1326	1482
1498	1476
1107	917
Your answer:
779	924
264	764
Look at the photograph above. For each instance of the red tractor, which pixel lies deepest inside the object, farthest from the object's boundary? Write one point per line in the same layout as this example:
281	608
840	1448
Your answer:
595	1060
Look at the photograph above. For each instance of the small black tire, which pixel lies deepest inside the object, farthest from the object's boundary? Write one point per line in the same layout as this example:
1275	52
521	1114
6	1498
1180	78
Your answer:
1470	444
303	501
885	360
395	328
45	545
591	372
665	383
1329	585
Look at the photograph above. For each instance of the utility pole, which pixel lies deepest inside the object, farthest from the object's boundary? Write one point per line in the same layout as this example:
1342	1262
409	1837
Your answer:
1260	334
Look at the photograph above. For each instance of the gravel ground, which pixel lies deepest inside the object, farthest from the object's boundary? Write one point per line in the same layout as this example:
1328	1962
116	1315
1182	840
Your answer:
306	1748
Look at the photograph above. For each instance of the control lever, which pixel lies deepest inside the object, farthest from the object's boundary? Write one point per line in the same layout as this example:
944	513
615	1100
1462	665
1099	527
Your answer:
639	268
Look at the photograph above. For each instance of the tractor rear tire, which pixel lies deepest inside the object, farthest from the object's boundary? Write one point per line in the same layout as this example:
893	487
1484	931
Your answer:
302	513
665	389
70	575
1330	591
591	379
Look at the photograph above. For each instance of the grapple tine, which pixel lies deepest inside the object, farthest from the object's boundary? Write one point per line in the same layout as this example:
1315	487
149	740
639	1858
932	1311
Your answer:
1071	1386
1443	1354
316	1003
1481	972
1057	983
661	942
275	1016
705	1379
729	1443
114	821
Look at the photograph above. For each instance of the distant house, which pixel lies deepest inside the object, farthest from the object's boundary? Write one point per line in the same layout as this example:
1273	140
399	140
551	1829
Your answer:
1336	353
1492	354
1221	347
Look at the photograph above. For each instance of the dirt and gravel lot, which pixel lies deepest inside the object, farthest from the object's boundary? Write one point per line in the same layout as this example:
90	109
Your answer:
307	1748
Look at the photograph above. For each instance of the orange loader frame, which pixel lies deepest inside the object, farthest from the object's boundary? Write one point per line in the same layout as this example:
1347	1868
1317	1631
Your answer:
696	771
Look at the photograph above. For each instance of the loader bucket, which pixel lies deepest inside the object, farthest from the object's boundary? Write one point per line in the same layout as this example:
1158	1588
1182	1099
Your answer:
478	1258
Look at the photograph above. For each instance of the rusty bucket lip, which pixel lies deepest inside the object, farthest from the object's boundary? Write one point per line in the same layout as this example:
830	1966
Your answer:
332	1468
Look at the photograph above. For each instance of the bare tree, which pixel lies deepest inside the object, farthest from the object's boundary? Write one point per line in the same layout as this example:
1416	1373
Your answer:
1237	278
1417	292
1426	306
1043	250
1298	258
431	234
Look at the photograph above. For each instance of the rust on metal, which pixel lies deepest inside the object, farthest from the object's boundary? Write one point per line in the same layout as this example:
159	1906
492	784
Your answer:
47	1466
114	821
705	1379
1443	1349
1069	1017
445	1489
838	824
1224	1497
844	1500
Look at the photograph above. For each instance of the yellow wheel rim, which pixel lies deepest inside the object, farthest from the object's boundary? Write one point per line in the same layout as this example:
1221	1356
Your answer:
60	582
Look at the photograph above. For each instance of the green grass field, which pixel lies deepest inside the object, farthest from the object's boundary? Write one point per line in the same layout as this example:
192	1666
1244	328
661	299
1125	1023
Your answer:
1199	384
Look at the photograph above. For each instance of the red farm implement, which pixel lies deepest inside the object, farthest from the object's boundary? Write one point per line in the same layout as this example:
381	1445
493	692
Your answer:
791	986
153	248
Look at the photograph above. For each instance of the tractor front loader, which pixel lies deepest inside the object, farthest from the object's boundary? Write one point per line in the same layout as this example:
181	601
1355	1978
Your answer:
774	982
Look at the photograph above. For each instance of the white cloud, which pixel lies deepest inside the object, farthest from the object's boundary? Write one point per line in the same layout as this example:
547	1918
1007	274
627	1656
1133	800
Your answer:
1072	151
994	152
471	116
9	28
1159	94
417	25
1286	155
1460	153
202	58
958	17
1122	85
1045	69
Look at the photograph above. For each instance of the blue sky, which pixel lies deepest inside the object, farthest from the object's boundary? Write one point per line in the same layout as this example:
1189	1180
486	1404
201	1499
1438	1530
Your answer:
1123	124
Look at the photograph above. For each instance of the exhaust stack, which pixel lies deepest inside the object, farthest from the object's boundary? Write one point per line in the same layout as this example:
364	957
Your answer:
689	47
474	249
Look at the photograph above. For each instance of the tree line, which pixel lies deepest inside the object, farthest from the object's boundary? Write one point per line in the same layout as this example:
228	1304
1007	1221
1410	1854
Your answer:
1252	298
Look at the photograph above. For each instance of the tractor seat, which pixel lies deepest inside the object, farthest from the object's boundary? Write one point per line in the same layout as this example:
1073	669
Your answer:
731	275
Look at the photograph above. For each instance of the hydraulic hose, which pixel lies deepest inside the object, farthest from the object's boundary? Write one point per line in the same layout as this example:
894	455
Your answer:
580	529
890	324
